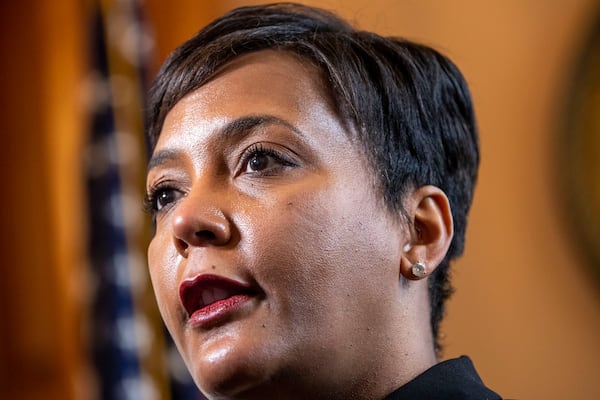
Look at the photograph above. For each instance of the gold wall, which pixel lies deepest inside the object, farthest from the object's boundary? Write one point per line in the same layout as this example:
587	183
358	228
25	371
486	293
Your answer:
525	309
41	346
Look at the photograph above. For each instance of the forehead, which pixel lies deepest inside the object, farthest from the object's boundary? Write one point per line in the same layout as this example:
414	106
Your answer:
273	83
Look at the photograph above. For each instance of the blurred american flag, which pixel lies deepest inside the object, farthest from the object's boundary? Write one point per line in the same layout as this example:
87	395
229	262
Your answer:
131	351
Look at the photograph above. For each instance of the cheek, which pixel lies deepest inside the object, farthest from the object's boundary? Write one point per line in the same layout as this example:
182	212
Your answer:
319	242
162	266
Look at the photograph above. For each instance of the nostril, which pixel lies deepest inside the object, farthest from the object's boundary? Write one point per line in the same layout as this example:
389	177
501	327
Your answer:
206	235
181	245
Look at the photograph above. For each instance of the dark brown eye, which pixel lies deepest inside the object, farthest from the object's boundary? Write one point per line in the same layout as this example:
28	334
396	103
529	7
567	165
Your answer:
258	162
163	198
264	160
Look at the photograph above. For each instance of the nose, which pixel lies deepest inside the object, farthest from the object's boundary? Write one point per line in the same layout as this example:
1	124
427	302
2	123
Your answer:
198	223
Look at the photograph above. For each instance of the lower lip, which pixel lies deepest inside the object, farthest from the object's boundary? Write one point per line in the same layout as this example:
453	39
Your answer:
218	312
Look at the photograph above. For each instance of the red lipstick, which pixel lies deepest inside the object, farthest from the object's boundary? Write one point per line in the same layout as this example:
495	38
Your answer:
211	299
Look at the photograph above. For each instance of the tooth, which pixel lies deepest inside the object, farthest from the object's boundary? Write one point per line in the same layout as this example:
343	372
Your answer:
220	294
208	296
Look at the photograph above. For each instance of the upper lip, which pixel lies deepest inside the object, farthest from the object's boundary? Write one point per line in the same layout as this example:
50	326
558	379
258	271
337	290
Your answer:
206	289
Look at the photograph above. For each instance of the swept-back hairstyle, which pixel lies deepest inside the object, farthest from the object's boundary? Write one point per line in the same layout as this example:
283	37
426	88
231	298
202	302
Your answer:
409	105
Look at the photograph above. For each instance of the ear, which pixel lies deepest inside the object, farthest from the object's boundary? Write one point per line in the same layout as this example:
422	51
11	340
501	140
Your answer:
430	232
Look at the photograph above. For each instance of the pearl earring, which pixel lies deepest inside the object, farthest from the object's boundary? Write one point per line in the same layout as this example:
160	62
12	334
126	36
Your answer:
419	270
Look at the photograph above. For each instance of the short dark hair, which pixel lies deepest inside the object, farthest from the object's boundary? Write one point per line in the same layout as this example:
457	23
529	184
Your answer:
410	105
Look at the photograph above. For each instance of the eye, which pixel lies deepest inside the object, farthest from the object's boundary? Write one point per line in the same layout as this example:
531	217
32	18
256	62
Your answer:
164	197
259	162
260	159
160	197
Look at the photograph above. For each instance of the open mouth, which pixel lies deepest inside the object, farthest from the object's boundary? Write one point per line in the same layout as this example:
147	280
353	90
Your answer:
207	298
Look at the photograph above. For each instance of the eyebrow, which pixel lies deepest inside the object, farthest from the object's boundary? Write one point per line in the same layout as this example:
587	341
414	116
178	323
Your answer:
238	127
249	123
162	157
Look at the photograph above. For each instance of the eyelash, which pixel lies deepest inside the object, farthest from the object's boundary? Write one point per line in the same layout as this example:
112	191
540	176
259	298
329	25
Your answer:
151	197
259	149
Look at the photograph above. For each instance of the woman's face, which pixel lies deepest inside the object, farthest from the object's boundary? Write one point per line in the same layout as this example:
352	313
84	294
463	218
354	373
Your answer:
274	263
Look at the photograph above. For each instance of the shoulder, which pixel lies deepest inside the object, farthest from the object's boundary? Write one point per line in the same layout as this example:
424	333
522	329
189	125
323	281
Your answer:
447	380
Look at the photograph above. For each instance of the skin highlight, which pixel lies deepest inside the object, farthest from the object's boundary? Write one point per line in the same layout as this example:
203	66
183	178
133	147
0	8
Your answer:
300	225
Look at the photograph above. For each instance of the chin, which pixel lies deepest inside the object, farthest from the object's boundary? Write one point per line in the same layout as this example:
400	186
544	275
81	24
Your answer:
239	382
223	371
